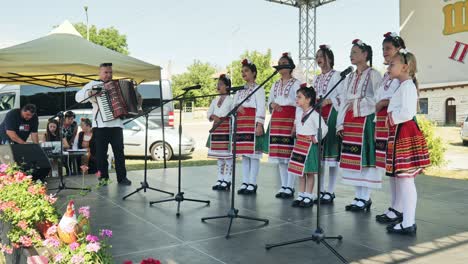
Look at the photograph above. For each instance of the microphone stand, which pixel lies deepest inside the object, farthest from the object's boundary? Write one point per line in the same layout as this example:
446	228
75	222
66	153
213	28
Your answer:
180	195
319	234
233	212
60	115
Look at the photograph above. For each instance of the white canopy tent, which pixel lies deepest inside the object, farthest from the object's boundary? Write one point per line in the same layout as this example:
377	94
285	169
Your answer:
64	59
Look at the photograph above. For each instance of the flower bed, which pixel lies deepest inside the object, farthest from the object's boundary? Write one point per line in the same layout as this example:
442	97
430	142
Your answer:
30	225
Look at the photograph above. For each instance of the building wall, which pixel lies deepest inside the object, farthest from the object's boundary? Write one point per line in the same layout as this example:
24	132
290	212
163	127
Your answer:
437	99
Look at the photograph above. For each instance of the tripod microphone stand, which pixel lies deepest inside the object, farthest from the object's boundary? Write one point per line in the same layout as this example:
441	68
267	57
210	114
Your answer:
233	212
319	234
144	184
180	195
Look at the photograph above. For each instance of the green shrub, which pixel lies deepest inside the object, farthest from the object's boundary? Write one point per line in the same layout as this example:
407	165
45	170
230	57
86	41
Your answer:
435	145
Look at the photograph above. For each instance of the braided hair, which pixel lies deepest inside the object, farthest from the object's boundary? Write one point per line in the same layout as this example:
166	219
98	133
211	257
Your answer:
364	48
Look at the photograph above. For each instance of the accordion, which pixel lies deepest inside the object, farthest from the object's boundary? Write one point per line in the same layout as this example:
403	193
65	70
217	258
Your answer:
118	100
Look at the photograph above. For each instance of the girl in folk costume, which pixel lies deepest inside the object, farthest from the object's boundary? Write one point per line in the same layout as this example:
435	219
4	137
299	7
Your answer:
279	140
355	125
407	152
392	43
219	142
250	132
330	106
304	158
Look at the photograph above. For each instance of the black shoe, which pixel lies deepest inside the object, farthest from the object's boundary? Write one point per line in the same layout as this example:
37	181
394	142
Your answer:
324	200
384	219
288	195
254	191
216	186
224	188
349	206
409	231
242	190
296	202
280	193
366	206
126	182
306	203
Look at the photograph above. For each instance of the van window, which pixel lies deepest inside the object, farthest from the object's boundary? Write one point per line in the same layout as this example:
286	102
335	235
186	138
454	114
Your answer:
49	101
7	101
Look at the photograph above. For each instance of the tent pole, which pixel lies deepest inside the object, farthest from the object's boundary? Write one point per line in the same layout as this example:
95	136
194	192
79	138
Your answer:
162	121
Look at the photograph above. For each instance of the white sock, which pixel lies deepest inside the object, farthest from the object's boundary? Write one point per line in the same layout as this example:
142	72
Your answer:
245	169
228	170
221	167
291	180
254	168
322	180
409	196
365	193
300	196
357	194
393	192
332	174
283	171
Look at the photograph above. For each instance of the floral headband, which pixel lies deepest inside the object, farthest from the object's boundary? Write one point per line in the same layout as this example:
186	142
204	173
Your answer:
359	42
304	85
391	35
246	62
324	47
286	54
404	52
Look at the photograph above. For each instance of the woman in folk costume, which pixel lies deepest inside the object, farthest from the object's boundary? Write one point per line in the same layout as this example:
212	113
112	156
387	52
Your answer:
279	140
219	142
304	158
250	132
392	43
355	125
323	83
407	152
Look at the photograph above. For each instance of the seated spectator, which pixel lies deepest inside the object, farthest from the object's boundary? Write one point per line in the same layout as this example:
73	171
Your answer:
52	134
85	140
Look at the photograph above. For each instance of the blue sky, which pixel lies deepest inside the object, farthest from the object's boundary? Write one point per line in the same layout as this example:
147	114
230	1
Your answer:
211	31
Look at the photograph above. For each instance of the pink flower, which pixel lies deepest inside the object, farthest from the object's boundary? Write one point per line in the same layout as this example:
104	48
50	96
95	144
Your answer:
50	198
84	211
128	262
74	245
3	167
58	257
22	224
6	249
32	190
106	233
91	238
93	247
51	242
76	259
25	241
84	168
98	174
52	230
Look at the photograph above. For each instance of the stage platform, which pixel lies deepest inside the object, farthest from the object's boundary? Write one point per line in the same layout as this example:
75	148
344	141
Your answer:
142	231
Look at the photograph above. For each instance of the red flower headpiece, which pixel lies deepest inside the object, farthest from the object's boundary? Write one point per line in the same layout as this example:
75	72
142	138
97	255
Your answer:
246	62
324	47
304	85
222	76
358	42
286	54
390	35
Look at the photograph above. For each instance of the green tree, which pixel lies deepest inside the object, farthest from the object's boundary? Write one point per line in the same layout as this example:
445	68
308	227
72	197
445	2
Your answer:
106	37
435	144
263	61
197	73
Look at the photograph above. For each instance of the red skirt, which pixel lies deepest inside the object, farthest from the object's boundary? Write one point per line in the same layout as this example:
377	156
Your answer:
245	134
280	140
407	152
381	138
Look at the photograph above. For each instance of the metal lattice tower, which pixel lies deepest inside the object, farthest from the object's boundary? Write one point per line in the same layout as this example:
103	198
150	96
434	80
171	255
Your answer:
307	31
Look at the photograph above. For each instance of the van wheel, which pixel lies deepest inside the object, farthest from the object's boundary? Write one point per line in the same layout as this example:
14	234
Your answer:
157	151
465	142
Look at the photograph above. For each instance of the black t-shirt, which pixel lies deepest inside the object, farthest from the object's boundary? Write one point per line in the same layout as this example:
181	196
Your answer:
13	121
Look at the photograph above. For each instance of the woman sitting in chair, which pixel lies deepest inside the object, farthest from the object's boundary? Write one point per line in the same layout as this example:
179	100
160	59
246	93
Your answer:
85	140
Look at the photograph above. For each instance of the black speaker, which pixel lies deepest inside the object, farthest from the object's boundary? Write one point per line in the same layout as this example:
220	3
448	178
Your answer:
29	157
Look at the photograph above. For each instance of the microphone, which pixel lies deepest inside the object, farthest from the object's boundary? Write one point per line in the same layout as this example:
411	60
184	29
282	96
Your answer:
348	70
195	87
284	66
235	89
